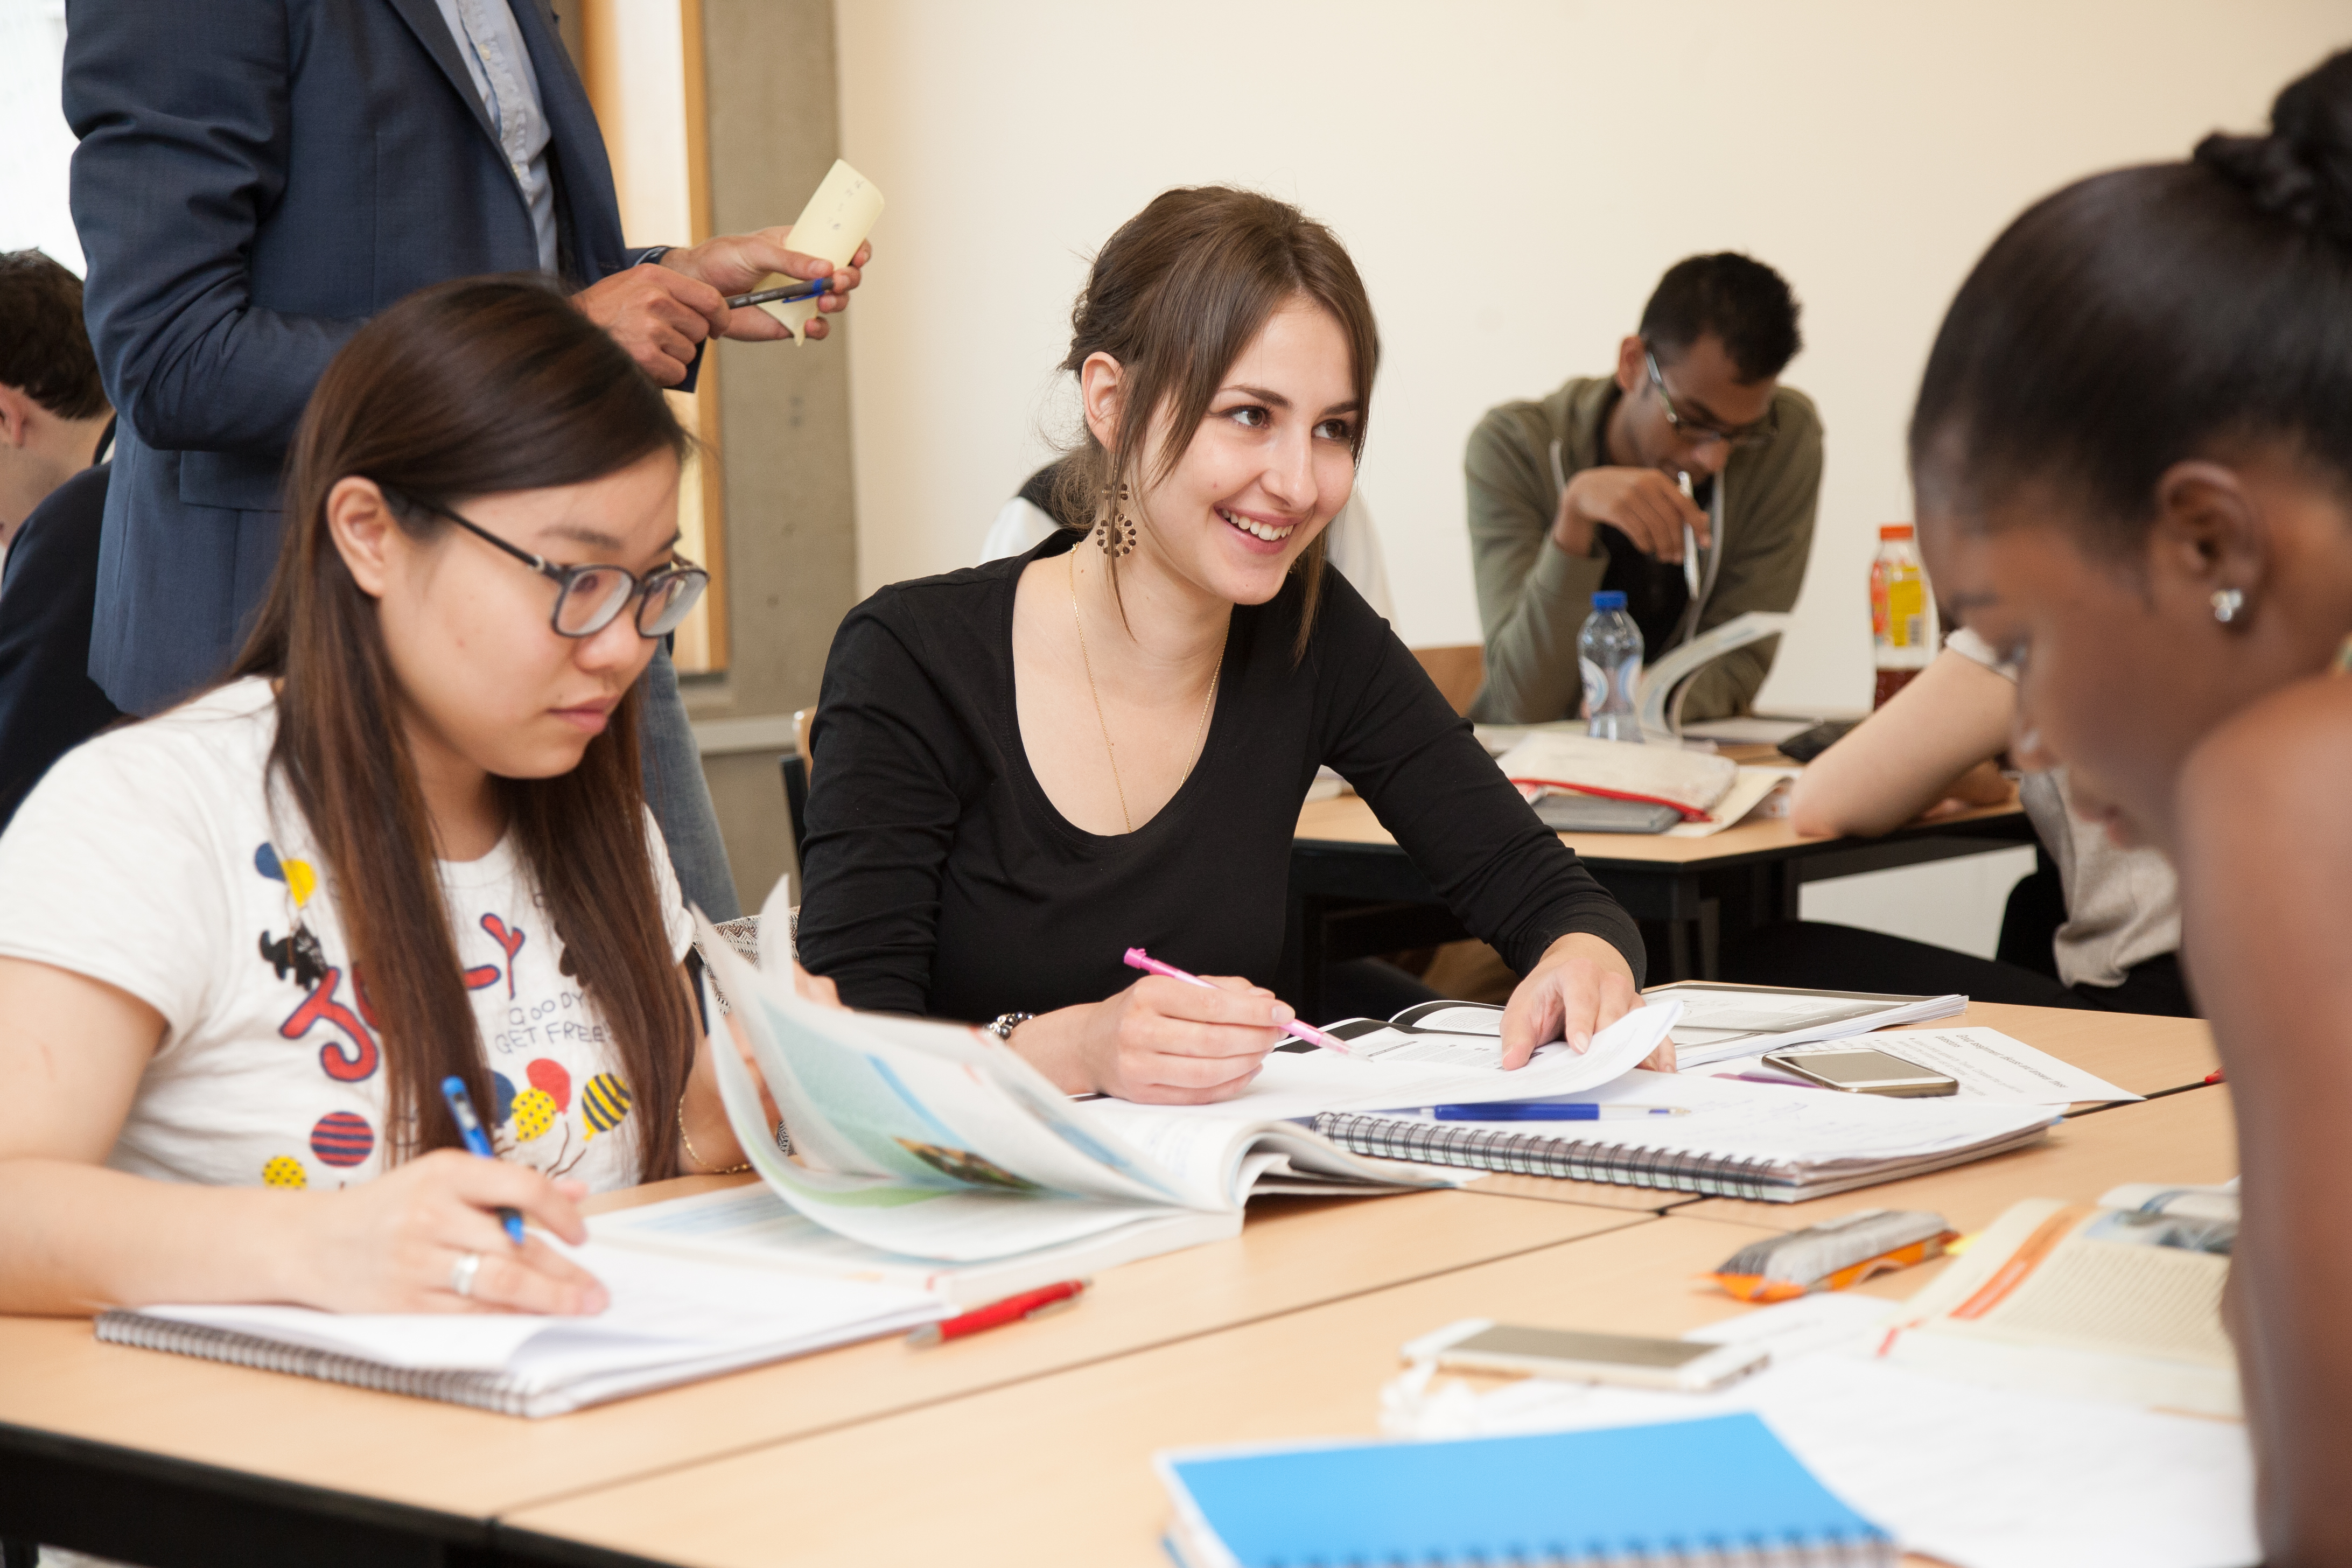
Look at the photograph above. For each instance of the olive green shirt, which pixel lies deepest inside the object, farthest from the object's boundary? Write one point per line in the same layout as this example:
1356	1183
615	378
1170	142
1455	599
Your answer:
1533	596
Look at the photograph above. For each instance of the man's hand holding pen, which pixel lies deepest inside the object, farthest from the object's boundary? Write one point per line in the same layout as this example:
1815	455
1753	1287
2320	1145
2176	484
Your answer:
663	313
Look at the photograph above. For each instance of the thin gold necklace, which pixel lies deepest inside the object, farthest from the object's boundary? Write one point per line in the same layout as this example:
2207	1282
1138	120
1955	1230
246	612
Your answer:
1087	663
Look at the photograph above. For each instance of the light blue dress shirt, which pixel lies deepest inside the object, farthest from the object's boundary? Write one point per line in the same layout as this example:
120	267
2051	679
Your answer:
499	63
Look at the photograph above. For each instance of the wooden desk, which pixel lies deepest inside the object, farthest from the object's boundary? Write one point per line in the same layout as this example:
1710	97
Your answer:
2144	1055
1058	1468
202	1462
1353	891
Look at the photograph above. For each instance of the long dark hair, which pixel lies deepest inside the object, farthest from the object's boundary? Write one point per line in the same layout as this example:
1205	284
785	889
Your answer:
465	389
2152	314
1176	295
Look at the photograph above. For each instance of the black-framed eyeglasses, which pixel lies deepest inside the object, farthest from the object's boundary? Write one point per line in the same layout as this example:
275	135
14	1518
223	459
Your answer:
1753	435
589	599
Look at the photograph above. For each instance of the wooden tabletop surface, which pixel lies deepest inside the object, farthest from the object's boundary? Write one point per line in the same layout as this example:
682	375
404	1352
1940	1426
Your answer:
1058	1468
1291	1254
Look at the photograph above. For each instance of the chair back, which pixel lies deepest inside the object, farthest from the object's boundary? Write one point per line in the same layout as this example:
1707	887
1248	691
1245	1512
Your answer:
1457	671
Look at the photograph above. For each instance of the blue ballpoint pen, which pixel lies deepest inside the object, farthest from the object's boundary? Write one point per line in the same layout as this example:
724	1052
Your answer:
1542	1110
785	296
461	1105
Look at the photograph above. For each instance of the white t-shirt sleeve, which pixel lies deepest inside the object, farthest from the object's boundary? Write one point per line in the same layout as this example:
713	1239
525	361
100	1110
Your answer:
676	921
1976	650
111	869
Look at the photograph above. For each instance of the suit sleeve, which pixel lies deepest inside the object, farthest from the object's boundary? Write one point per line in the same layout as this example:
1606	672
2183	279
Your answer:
887	766
182	112
1506	877
1532	596
1764	562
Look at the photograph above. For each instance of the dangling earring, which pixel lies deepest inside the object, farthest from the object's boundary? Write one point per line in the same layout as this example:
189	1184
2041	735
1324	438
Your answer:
2227	603
1114	530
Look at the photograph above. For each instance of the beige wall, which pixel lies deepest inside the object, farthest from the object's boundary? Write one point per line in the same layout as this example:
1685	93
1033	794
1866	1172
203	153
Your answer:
1870	152
784	426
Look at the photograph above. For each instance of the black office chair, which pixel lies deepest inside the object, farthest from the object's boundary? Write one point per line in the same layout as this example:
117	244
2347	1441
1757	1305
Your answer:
795	769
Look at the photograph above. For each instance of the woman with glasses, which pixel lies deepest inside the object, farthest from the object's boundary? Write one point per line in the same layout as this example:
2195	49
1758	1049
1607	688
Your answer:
243	945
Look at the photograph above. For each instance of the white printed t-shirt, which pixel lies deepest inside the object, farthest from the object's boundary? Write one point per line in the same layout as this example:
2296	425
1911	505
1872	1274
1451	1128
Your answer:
151	858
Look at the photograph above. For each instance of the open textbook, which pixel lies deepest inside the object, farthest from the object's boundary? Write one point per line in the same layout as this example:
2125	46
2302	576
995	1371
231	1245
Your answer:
2119	1299
937	1141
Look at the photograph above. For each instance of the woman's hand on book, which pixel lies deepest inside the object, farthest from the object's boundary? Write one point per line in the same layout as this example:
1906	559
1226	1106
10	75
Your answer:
1160	1041
1581	986
393	1244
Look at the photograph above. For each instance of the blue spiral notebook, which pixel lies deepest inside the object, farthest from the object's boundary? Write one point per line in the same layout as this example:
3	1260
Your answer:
1724	1489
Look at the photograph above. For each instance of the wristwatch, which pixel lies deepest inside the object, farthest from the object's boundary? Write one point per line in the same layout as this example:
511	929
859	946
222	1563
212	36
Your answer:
1003	1023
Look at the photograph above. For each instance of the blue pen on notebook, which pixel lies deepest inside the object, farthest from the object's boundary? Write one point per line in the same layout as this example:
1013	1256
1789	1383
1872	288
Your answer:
469	1126
784	296
1543	1111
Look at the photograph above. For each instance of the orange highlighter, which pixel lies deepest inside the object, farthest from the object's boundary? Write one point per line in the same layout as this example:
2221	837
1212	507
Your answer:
1012	1309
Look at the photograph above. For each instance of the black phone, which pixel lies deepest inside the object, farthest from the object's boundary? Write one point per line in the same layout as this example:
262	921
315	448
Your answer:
1806	744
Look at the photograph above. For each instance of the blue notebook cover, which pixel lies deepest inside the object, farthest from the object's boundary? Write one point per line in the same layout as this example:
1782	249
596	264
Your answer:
1680	1488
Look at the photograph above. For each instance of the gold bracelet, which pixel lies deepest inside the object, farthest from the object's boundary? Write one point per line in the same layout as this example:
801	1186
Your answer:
706	1170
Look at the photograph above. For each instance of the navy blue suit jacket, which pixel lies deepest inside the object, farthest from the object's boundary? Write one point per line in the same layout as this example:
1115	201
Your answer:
255	179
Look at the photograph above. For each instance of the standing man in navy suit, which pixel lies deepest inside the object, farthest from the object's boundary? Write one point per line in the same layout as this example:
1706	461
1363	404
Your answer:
256	179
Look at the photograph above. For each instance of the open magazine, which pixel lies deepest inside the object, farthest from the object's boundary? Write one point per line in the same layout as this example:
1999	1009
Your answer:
932	1140
2118	1300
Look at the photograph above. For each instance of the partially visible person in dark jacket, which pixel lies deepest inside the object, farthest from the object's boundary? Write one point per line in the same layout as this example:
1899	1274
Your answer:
253	181
55	427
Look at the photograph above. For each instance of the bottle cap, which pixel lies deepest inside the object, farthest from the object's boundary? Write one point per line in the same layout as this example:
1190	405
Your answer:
1608	599
1894	530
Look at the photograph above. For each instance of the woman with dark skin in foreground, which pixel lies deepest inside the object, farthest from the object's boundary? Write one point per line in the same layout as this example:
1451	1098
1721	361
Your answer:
2133	454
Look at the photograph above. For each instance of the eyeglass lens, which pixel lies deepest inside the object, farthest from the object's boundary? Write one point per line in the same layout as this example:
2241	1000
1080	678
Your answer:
592	596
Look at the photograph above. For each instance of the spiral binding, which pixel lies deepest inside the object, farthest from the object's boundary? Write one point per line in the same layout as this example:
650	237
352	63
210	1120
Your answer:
1755	1177
482	1390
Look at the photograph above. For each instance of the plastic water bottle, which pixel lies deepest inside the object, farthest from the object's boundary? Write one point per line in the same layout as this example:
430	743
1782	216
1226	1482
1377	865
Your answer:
1609	651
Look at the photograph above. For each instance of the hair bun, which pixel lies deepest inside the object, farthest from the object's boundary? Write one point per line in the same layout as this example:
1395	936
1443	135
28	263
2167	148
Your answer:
2302	170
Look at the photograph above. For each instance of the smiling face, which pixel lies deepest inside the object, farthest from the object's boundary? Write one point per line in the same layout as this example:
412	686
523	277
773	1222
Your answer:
2124	665
486	684
1272	462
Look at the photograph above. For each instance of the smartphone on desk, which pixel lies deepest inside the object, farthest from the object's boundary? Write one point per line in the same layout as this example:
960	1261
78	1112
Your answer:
1480	1344
1863	1072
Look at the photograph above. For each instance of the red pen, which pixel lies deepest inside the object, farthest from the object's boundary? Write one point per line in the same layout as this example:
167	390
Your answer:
1139	959
1012	1309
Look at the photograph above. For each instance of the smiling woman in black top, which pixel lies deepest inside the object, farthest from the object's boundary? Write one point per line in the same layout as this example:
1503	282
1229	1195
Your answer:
1024	769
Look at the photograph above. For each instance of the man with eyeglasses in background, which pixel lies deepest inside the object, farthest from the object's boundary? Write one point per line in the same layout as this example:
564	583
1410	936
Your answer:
1582	490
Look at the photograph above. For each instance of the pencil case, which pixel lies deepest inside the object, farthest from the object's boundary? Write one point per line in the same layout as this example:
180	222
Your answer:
1834	1254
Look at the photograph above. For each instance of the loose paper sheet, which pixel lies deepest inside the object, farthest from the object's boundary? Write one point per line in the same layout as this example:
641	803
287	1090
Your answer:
831	227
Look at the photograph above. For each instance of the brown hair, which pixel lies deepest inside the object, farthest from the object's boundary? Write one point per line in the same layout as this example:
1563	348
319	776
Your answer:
465	389
1176	294
44	349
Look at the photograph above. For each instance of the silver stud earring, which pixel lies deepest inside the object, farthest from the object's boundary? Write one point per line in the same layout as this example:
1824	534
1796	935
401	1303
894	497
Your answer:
2227	603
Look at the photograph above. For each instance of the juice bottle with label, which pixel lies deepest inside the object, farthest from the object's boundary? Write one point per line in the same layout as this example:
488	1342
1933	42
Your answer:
1902	612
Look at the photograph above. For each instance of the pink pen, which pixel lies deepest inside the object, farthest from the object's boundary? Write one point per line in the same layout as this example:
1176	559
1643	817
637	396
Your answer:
1139	959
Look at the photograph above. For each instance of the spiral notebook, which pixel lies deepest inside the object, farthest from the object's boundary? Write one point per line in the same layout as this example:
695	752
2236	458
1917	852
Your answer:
671	1321
1763	1142
1714	1492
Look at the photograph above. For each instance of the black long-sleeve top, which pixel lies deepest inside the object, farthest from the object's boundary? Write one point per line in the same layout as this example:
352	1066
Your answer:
940	879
